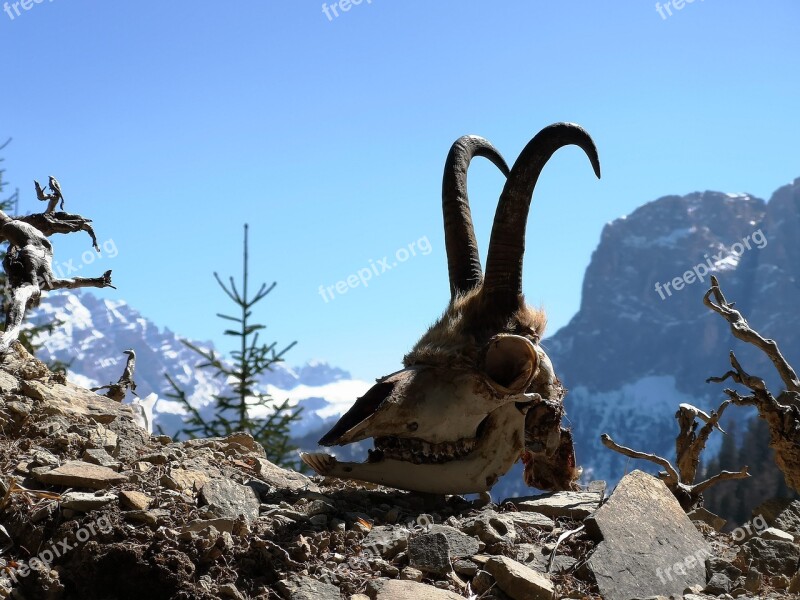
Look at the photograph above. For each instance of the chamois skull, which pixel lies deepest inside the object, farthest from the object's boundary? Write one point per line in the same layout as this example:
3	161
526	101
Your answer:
477	392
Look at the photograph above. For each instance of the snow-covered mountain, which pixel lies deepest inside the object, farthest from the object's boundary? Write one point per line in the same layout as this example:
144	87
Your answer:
95	331
641	343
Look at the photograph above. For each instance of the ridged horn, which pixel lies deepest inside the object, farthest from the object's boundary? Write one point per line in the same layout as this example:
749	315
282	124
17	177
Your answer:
503	279
463	260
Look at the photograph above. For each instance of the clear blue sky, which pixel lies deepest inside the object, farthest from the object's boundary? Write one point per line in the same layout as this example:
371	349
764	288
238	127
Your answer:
172	123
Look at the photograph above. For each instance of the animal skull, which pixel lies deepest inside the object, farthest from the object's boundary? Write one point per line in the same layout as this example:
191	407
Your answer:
478	391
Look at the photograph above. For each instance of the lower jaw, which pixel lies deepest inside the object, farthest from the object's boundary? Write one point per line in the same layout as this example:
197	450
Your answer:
497	450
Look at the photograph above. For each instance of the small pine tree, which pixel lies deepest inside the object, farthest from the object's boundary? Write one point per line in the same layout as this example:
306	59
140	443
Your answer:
233	405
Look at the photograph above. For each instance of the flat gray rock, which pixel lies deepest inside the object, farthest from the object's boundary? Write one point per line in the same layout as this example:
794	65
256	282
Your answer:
518	581
80	474
299	587
531	519
283	479
491	527
573	505
460	544
649	547
771	557
395	589
386	541
430	553
228	499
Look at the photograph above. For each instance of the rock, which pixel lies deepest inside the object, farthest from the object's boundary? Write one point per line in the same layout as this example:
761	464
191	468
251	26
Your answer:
482	582
283	479
719	565
491	527
707	517
134	500
411	574
460	544
226	498
771	510
70	399
221	525
718	584
649	546
184	480
386	541
531	519
102	437
532	555
771	533
794	584
430	553
753	581
464	567
771	557
85	501
152	517
229	590
394	589
561	563
43	458
519	581
300	587
98	456
573	505
81	474
780	582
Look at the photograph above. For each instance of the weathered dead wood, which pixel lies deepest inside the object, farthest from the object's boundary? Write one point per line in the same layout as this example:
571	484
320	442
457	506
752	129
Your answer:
28	261
782	414
57	222
689	444
117	391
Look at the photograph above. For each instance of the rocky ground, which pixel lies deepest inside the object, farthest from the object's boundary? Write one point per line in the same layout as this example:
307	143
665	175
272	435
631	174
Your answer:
92	507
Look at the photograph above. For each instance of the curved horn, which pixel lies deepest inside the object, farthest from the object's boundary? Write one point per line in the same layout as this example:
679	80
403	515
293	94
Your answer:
507	244
463	261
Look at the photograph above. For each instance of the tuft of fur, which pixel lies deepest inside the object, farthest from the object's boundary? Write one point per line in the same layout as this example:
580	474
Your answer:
456	339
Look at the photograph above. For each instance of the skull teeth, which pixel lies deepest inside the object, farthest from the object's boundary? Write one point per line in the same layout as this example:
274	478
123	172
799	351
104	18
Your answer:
421	452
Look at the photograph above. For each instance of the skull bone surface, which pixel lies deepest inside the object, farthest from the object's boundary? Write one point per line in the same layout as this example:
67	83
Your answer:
478	392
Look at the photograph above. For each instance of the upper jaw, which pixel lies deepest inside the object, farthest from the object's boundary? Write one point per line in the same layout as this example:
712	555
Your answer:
433	404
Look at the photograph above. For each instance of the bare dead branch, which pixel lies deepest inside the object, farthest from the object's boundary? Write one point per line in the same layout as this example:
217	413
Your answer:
723	476
741	330
117	391
782	414
672	474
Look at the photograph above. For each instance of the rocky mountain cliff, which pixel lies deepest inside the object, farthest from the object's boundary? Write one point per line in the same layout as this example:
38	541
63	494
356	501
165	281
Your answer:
635	351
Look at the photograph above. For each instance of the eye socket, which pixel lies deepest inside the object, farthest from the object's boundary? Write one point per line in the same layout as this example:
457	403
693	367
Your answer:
510	363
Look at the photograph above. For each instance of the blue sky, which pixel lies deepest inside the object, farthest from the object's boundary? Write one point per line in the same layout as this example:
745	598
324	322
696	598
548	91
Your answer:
170	124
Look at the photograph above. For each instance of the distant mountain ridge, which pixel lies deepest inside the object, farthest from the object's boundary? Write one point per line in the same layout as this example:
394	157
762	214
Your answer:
96	330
